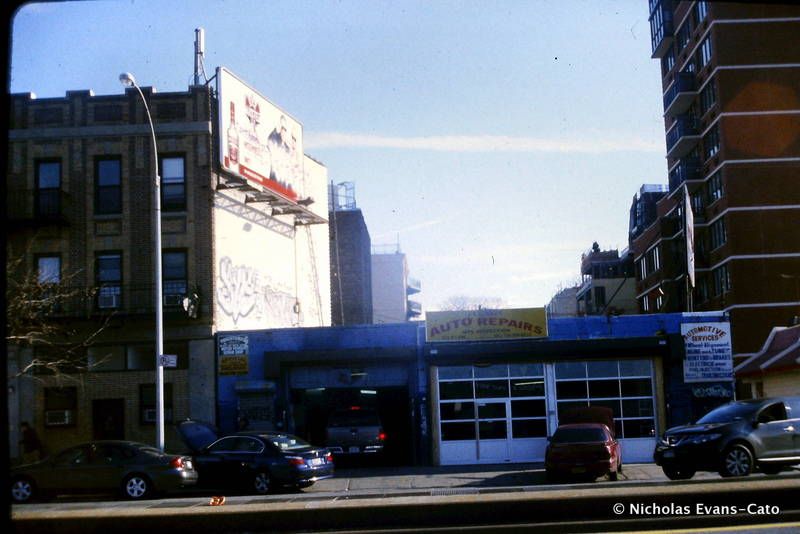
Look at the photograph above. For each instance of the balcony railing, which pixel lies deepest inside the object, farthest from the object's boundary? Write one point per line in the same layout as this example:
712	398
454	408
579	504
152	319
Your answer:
126	299
661	28
37	206
680	94
686	169
682	137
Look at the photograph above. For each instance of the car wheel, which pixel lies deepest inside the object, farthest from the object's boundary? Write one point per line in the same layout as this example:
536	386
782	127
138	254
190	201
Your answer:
770	469
678	473
23	490
737	461
136	487
261	482
613	476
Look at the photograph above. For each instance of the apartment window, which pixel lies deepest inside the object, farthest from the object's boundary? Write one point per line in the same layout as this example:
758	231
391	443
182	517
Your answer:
697	203
108	186
700	12
147	404
173	184
668	61
174	277
60	406
708	97
711	142
652	261
106	358
718	233
645	304
659	302
599	297
683	35
705	53
702	290
108	273
48	269
722	280
643	268
48	188
715	188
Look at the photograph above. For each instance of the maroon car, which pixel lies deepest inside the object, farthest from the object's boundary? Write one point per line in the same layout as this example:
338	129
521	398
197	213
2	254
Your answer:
583	447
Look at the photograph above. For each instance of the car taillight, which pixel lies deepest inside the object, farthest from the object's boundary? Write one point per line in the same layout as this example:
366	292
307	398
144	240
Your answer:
177	462
329	457
382	436
296	460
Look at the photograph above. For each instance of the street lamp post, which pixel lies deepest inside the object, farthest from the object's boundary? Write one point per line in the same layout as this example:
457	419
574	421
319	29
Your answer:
128	80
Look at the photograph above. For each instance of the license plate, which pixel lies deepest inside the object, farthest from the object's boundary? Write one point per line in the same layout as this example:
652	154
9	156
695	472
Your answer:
669	454
354	449
578	469
317	461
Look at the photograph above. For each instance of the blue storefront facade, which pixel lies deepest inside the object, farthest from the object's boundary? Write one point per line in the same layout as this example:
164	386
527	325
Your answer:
472	402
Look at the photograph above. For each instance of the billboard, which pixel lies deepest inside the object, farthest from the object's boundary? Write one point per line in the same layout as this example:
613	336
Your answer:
257	140
483	324
709	357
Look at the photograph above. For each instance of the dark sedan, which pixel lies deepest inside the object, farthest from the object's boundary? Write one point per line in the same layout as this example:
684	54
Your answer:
135	470
256	461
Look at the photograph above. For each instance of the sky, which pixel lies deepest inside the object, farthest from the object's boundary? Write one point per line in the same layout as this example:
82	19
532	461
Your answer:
495	141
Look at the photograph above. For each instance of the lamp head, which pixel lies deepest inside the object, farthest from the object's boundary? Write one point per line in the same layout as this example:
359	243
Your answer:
127	79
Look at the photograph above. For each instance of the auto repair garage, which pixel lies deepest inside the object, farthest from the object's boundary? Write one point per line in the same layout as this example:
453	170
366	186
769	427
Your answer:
472	401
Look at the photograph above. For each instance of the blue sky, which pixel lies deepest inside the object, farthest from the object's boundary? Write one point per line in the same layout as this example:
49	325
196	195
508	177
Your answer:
495	139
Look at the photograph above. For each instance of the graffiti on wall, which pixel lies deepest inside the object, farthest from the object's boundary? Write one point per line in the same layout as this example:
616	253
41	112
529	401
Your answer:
244	292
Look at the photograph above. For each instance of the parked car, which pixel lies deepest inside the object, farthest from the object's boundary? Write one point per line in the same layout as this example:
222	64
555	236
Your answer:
734	439
355	431
254	461
135	470
583	449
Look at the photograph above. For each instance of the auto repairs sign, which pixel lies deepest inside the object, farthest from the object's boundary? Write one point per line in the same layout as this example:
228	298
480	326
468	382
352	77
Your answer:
709	357
484	324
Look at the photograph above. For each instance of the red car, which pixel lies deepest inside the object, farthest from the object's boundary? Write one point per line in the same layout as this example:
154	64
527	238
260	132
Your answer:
583	449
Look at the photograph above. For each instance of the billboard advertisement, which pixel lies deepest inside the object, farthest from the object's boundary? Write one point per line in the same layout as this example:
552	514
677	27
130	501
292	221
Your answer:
709	357
258	141
484	324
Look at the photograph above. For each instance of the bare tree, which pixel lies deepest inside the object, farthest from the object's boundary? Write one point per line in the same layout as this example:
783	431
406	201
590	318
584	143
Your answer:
464	302
34	320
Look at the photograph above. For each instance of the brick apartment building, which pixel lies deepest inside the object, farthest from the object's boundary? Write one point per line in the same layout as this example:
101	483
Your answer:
79	188
731	82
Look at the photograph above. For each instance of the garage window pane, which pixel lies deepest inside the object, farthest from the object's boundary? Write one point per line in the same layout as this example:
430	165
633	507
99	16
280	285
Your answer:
529	428
528	408
639	428
527	387
567	406
456	410
637	408
613	404
458	431
451	373
603	388
492	429
634	368
492	410
637	387
571	390
526	369
455	390
485	389
571	370
602	369
491	371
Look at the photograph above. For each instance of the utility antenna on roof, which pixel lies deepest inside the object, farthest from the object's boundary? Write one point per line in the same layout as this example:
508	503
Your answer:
199	53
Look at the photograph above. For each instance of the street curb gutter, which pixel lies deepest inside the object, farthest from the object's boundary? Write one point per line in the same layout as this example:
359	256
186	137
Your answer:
528	507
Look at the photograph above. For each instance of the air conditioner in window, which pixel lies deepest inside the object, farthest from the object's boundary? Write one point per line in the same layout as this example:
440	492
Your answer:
58	417
173	300
109	301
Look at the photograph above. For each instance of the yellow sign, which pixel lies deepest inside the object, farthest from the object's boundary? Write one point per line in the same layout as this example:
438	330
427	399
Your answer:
233	365
474	325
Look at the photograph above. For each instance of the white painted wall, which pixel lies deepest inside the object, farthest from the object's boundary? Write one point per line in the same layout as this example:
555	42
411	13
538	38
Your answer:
262	263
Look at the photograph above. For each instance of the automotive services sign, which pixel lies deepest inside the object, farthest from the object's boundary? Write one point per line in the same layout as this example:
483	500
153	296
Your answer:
709	357
485	324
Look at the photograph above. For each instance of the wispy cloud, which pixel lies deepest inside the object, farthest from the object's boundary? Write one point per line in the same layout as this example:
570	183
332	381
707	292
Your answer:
595	143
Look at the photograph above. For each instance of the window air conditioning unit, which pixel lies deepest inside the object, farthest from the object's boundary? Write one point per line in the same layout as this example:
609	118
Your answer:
58	417
109	301
173	300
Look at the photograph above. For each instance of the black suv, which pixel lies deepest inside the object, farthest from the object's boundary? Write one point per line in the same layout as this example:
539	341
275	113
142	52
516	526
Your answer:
733	439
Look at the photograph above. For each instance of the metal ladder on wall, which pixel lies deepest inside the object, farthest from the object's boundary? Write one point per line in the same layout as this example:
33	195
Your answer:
314	274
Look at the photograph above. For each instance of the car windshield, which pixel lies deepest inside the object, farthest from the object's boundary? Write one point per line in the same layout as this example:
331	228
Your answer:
579	435
729	413
286	442
354	418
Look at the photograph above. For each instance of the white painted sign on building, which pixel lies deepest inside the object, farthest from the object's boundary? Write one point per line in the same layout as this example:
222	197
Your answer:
709	357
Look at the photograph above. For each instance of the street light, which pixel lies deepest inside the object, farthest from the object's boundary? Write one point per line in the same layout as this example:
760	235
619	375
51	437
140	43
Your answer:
128	80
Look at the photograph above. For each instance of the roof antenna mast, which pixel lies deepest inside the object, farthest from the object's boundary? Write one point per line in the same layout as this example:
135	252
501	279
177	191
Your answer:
199	53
